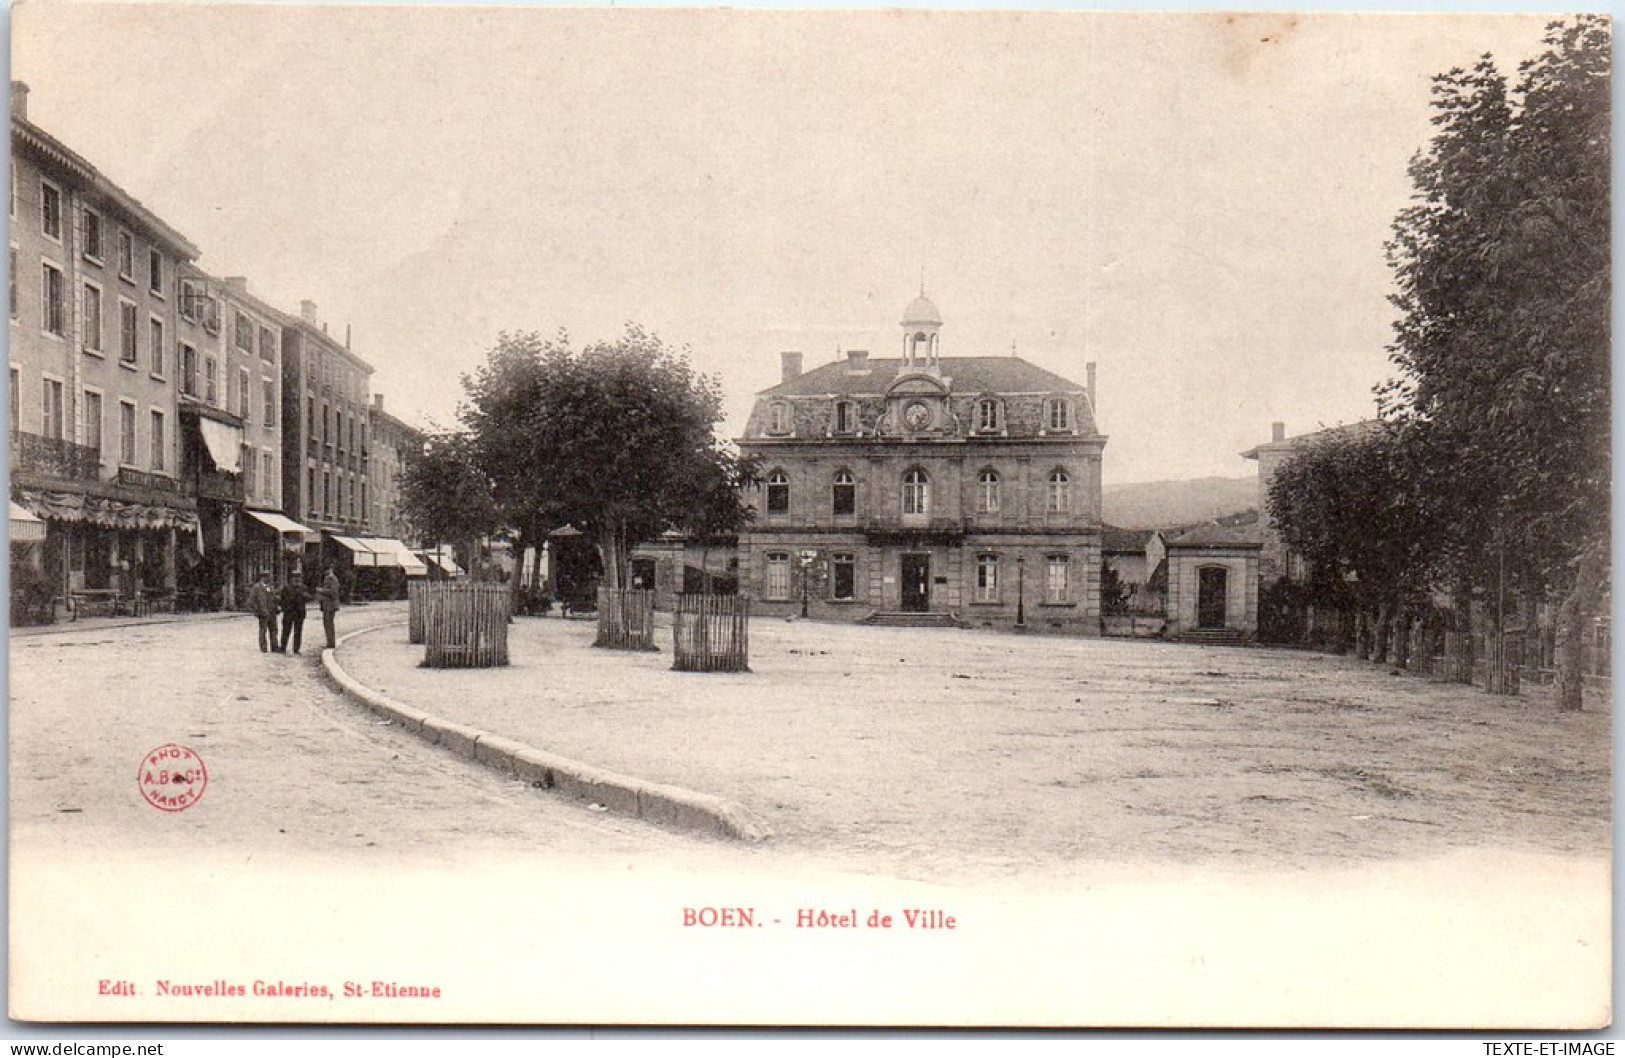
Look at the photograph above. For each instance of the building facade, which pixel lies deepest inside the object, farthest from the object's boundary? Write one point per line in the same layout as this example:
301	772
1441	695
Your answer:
961	488
325	434
393	443
95	433
1276	560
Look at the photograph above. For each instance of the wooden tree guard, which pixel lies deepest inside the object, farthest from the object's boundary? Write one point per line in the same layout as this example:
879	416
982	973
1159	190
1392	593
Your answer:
626	620
417	592
711	633
465	625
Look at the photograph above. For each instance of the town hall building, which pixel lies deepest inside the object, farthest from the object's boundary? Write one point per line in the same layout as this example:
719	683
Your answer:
926	489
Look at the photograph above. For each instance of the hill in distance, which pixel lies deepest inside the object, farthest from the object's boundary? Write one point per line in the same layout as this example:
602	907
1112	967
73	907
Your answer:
1161	504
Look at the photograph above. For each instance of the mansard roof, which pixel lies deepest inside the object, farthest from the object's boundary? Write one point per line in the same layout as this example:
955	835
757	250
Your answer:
966	375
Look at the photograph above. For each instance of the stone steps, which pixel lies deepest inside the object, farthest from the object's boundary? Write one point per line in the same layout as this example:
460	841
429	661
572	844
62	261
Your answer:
912	619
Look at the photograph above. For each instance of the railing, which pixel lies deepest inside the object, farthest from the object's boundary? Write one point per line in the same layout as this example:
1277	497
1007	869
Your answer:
141	479
54	457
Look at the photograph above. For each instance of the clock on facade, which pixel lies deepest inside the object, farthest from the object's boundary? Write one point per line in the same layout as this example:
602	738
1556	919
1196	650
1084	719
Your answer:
917	415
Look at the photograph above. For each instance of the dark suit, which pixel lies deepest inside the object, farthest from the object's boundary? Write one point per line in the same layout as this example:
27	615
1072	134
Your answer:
291	599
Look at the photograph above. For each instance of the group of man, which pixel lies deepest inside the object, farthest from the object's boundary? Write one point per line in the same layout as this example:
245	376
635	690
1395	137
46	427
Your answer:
290	601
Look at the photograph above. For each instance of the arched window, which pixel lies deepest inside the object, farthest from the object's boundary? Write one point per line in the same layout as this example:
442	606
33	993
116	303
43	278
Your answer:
987	414
778	419
1057	414
778	493
916	492
844	493
987	492
1060	492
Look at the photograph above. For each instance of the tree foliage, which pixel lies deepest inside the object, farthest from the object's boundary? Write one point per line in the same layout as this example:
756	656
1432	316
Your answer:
445	495
617	439
1502	276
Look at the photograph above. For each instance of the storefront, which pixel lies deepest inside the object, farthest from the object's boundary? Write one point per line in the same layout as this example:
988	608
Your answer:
97	553
372	567
273	544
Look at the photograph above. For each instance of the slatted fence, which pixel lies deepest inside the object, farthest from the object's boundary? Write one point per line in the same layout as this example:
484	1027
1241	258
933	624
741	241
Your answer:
465	625
626	620
711	633
417	593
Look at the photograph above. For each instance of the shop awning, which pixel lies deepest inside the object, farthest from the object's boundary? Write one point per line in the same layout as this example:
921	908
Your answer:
442	559
225	444
108	513
360	553
26	527
399	554
278	521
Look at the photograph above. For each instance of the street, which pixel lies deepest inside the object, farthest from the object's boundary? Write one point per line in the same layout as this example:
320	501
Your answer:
292	765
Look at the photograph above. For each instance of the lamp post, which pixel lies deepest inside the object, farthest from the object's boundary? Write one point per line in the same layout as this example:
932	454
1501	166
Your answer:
1021	591
806	559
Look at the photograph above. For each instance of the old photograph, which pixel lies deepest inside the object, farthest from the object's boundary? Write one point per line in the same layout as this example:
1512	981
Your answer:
758	517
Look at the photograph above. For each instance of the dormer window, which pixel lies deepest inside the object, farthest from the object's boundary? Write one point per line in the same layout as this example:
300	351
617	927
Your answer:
988	419
846	416
1057	414
778	417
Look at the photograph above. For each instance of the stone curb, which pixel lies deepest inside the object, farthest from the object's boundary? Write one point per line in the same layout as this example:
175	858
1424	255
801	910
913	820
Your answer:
655	802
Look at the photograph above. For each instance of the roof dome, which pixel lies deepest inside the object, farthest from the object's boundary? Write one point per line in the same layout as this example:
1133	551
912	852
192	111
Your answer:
921	310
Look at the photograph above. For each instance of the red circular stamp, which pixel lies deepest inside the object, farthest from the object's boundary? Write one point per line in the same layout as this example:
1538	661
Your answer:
172	777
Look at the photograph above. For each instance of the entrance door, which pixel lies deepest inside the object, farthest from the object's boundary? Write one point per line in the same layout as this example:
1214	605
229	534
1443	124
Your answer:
1212	587
916	576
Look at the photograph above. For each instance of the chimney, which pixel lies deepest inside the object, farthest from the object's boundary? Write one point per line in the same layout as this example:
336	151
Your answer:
792	365
378	401
346	336
857	361
19	100
1089	380
307	312
237	284
1277	431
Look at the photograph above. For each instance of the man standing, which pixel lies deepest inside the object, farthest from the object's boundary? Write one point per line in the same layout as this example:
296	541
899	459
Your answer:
263	605
327	596
292	599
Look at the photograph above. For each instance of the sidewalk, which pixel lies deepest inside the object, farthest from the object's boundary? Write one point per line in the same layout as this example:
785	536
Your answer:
958	751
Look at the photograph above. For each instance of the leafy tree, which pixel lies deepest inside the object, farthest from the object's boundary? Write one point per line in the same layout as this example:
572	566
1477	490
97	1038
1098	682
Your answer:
445	496
617	439
1352	507
1502	281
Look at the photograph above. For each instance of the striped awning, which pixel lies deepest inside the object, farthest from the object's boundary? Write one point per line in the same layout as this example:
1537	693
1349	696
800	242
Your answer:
26	527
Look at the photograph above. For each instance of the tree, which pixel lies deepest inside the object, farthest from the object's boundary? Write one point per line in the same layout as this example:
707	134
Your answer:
445	496
1351	505
617	439
1502	281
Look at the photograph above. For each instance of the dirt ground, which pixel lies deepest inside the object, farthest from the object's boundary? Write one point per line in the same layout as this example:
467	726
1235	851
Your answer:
944	753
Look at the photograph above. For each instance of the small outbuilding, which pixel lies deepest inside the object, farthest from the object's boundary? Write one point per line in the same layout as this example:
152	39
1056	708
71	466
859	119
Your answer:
1213	584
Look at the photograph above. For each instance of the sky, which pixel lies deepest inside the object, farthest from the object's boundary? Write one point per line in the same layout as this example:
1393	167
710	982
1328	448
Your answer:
1195	202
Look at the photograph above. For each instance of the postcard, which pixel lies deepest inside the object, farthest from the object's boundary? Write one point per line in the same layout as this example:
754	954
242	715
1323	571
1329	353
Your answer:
570	516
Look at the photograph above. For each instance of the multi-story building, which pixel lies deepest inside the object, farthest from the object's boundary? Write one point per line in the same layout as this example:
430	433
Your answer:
1275	559
963	487
325	438
94	422
393	443
251	337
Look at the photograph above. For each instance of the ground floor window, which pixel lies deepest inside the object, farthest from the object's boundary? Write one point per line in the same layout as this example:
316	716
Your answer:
844	576
987	578
778	576
1055	570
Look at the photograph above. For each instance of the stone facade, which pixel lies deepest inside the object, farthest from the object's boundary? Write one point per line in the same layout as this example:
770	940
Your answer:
1213	582
94	430
961	486
1274	560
